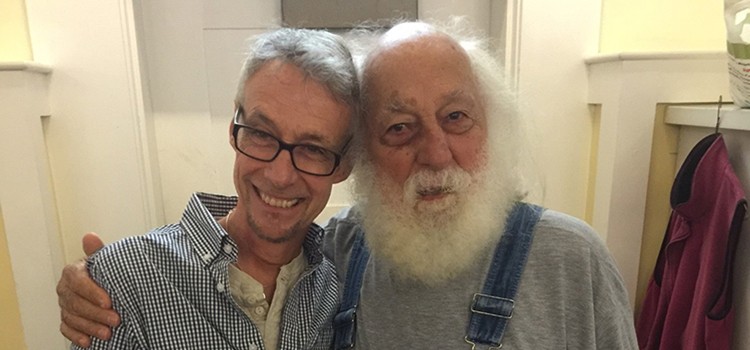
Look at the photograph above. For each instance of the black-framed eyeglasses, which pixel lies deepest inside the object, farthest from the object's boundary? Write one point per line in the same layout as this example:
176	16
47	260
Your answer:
262	146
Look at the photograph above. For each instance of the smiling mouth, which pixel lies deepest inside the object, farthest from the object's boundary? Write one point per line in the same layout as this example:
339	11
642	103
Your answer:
278	202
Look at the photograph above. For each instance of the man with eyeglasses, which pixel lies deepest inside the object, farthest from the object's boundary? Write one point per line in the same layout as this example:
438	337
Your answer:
247	272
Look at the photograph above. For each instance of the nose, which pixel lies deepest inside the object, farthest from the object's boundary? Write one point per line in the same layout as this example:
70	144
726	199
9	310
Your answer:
280	171
434	151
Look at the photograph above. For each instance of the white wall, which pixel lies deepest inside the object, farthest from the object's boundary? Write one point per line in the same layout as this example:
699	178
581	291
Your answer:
192	146
97	137
555	38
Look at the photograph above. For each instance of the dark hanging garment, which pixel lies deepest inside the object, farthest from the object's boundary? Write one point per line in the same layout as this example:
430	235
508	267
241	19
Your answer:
688	304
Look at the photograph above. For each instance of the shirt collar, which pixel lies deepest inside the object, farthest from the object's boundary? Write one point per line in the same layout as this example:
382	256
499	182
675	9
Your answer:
209	239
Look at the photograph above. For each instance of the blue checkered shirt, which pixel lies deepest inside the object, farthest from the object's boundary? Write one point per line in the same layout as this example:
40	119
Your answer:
170	287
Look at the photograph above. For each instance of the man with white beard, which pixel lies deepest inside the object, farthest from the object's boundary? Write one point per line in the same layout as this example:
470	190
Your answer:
438	251
437	185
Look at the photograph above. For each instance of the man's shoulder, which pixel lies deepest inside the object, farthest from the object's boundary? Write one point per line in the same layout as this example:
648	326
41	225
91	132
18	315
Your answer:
158	243
564	240
345	223
339	235
573	247
348	215
555	227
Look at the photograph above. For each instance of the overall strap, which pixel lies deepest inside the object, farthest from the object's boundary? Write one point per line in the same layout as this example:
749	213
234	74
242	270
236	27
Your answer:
345	321
493	307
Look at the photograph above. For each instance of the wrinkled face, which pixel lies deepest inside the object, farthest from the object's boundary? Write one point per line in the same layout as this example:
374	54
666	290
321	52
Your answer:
431	184
425	112
278	201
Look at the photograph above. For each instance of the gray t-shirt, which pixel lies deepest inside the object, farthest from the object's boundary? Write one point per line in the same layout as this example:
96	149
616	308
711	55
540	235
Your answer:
571	295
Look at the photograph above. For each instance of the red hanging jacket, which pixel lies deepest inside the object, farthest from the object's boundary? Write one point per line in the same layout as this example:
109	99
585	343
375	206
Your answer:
688	304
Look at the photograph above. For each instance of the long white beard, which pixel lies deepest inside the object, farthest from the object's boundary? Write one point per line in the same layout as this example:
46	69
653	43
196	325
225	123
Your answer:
433	241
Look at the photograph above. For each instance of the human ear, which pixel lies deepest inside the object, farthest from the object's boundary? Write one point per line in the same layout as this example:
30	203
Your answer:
344	169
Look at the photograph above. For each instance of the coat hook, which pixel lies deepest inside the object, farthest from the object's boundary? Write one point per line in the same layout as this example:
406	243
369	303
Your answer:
718	116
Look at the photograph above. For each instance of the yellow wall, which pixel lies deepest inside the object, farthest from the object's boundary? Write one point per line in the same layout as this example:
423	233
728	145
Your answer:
661	25
661	175
11	331
14	46
14	34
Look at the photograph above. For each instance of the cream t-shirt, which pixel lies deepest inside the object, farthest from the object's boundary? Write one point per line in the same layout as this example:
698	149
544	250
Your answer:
248	294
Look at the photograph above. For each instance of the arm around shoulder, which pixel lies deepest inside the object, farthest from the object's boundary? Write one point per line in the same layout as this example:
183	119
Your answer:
85	308
100	267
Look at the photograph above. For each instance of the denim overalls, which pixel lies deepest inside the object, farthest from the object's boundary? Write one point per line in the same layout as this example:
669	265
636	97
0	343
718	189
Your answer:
490	310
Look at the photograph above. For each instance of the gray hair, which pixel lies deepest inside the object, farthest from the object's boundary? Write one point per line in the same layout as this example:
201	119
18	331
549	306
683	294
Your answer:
321	55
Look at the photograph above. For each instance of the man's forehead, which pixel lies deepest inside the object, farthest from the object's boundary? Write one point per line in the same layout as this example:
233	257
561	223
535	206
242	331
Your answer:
399	101
283	98
415	36
436	50
399	86
318	131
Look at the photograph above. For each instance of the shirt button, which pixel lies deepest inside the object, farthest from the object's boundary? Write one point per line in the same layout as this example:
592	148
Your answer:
227	248
220	287
259	310
207	257
253	347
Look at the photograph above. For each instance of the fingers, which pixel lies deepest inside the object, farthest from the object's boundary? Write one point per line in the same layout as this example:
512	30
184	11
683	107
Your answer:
77	329
86	326
91	243
76	286
74	336
77	307
86	310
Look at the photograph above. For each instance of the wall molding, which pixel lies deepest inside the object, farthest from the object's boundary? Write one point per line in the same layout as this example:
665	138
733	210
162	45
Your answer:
28	66
654	56
143	129
704	115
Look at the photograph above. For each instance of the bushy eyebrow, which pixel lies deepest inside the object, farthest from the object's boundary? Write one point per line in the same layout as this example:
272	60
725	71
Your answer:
459	95
397	105
257	116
